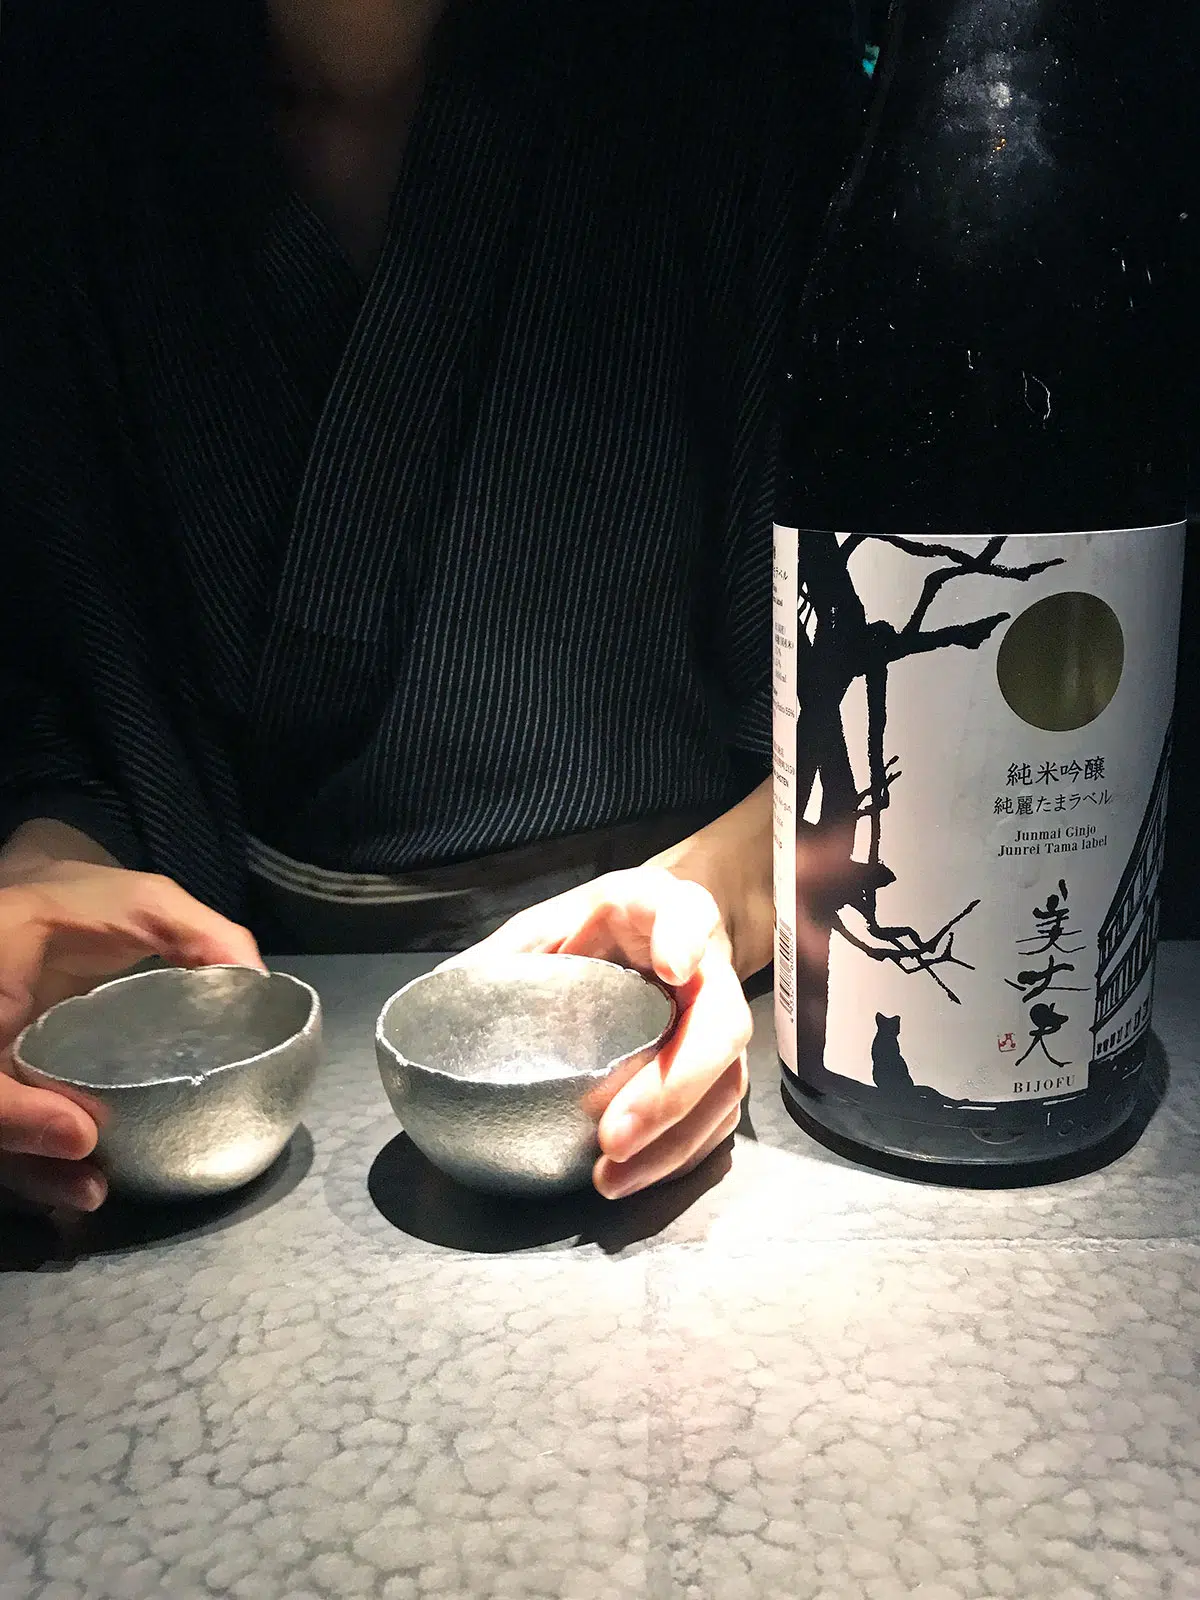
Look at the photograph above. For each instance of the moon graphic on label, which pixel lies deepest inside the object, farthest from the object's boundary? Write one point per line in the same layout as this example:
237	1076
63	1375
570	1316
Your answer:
1061	660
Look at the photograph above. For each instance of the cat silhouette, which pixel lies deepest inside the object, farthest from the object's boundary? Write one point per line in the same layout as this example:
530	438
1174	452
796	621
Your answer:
889	1070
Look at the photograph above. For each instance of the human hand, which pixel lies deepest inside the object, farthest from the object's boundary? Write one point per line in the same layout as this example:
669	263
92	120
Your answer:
687	1101
64	925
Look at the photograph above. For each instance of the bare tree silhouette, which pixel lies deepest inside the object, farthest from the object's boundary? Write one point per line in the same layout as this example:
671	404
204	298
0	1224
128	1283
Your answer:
837	643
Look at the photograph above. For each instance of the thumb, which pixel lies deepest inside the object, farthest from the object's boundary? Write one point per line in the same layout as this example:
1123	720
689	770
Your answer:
24	952
38	1122
685	918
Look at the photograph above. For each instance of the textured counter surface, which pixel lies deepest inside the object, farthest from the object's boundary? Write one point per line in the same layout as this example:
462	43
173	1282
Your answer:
804	1380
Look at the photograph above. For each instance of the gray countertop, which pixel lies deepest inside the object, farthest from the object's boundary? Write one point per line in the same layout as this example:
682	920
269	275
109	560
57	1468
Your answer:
804	1380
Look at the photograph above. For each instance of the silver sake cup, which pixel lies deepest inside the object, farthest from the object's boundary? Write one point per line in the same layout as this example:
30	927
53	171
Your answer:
499	1069
197	1078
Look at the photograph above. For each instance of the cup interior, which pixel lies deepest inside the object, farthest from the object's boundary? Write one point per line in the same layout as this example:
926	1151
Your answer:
525	1019
166	1024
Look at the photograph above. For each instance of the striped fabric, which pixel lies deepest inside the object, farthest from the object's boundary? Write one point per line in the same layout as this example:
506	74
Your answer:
405	572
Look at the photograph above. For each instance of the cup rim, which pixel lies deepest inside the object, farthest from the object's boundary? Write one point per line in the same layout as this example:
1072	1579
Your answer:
38	1076
588	1075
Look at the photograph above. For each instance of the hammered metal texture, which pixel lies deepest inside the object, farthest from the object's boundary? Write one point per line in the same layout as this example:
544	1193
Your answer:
197	1078
498	1069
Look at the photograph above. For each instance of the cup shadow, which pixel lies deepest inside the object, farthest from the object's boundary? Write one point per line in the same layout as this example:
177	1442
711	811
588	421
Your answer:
419	1200
121	1226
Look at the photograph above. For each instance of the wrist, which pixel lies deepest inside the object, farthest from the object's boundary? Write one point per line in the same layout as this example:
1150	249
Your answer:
731	858
41	843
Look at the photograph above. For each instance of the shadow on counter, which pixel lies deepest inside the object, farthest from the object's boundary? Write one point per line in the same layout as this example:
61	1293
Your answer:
38	1243
419	1200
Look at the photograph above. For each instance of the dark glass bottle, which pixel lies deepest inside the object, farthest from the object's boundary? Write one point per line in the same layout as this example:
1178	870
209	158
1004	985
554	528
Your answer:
979	543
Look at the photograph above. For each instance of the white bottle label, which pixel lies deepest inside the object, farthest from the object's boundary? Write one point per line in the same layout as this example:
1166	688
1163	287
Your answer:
971	751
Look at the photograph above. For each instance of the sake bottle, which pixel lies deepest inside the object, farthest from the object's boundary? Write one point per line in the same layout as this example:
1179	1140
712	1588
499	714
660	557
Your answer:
978	555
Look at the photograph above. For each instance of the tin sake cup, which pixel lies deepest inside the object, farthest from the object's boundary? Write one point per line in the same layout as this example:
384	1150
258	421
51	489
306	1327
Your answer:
499	1069
196	1077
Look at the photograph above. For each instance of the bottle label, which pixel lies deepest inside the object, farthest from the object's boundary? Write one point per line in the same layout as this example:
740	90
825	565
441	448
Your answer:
971	740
